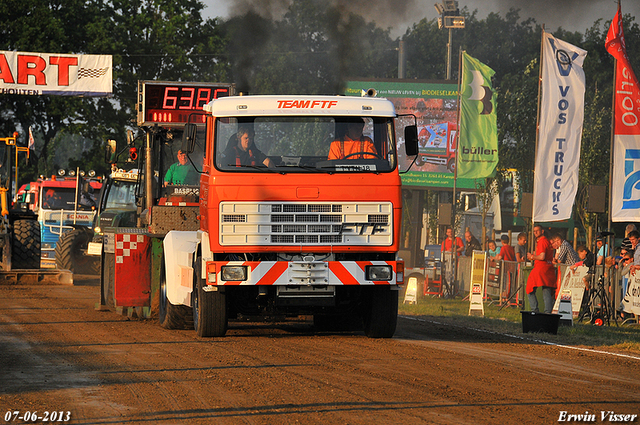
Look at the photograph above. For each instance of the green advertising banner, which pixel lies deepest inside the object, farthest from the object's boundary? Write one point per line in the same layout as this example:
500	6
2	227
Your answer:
435	104
478	121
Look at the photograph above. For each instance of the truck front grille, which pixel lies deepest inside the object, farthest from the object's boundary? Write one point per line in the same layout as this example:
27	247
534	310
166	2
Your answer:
292	223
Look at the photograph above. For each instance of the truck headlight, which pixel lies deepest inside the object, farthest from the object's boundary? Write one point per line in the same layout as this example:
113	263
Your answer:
384	273
233	273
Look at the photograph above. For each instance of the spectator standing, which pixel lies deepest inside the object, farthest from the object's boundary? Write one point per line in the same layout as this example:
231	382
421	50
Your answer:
507	253
634	237
565	254
492	249
603	249
449	240
587	260
543	273
521	248
626	243
472	244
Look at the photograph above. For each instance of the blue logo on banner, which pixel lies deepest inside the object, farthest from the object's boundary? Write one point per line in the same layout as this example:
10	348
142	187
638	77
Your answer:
632	180
564	59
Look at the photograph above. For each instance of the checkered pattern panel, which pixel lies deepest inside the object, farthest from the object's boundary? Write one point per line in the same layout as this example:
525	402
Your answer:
91	73
125	244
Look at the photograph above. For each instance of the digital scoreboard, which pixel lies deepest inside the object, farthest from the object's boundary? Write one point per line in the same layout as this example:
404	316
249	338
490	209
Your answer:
169	104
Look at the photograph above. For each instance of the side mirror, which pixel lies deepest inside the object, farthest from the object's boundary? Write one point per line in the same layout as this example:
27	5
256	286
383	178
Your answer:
189	137
411	140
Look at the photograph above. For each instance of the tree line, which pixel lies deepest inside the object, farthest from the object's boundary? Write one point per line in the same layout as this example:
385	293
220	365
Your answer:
311	49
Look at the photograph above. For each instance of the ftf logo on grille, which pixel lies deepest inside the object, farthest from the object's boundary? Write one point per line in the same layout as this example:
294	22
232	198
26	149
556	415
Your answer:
631	197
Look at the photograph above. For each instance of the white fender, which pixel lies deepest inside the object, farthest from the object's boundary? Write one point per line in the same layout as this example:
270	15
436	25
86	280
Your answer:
179	250
205	249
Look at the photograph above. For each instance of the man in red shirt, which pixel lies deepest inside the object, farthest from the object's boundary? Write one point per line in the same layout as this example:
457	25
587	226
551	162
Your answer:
543	273
446	243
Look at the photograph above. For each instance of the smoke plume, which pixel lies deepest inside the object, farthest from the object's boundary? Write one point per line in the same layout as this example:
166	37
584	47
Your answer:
385	13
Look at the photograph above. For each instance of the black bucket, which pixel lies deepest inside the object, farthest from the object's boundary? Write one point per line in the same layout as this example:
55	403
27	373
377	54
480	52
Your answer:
540	322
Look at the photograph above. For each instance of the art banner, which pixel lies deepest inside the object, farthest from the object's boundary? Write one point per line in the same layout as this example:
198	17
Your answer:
38	74
625	192
478	138
560	130
572	281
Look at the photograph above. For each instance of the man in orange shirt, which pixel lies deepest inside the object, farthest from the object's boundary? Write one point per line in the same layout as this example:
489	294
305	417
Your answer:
353	145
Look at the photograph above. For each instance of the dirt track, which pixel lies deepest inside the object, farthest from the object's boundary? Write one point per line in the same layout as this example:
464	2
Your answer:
59	354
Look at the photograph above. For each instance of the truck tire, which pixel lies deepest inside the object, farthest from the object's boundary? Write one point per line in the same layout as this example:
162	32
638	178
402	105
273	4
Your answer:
209	308
380	314
172	316
71	252
25	253
451	165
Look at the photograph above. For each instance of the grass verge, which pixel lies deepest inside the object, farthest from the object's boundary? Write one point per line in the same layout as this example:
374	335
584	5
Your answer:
508	320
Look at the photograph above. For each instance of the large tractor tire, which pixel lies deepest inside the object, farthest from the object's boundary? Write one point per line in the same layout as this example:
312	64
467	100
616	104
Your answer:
25	253
380	314
71	252
172	316
209	308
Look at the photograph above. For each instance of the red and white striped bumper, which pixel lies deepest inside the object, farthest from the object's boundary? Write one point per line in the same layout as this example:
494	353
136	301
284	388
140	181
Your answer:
304	273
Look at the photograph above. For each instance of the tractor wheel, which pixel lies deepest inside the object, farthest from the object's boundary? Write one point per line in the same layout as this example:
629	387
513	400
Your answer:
209	308
380	312
171	316
25	253
71	252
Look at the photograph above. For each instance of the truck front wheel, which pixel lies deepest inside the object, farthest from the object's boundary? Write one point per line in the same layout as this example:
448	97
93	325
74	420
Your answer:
380	314
209	307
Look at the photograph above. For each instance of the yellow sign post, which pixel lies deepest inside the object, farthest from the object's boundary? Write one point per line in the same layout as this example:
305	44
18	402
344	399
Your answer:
478	270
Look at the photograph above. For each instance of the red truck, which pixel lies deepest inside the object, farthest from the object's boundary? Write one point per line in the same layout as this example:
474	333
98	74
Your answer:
288	233
437	145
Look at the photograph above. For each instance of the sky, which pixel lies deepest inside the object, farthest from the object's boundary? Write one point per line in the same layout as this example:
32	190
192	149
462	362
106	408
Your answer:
572	15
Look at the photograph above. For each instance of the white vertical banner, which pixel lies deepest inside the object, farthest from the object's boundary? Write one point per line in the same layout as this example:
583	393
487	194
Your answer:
560	130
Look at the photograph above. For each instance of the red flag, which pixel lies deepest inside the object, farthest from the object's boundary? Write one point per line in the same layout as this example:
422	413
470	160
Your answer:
625	196
627	92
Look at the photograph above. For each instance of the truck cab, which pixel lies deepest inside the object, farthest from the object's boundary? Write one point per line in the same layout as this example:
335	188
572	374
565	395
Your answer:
63	207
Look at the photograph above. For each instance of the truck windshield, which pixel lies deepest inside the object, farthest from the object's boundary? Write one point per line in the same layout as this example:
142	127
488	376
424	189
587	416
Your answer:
122	195
305	144
62	198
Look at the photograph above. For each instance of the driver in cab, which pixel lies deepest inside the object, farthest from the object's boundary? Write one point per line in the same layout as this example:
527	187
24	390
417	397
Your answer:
353	144
241	150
